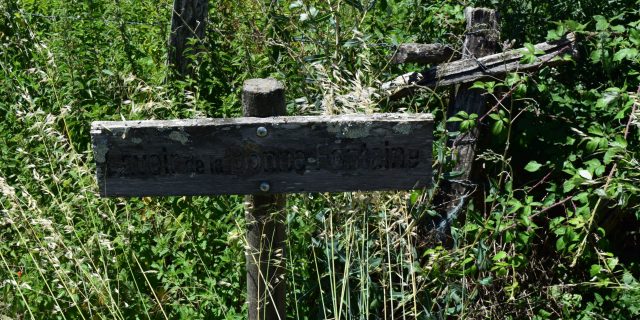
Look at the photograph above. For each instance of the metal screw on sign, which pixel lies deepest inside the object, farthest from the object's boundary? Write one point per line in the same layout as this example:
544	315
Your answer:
261	132
265	187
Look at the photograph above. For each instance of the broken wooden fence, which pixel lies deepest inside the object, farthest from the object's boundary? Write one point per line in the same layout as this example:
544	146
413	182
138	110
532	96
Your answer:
478	62
473	67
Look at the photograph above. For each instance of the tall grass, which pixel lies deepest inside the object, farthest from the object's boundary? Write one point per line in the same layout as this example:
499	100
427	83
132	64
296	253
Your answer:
65	253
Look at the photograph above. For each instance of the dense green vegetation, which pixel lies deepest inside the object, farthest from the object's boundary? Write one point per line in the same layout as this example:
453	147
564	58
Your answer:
553	233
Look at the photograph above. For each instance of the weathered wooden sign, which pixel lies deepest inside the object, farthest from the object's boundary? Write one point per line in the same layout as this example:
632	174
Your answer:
263	155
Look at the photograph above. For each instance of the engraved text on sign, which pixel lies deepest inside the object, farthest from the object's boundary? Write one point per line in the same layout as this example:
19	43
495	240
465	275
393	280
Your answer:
292	154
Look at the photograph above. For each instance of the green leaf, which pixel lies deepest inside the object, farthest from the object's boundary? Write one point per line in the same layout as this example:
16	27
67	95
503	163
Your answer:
374	262
596	55
619	142
497	127
601	193
553	35
464	125
530	48
542	87
478	85
453	174
499	256
560	244
582	197
592	144
595	270
601	23
528	58
467	125
607	98
618	28
585	174
533	166
486	281
634	36
314	58
627	278
414	197
568	186
574	25
561	230
609	155
313	11
626	53
295	4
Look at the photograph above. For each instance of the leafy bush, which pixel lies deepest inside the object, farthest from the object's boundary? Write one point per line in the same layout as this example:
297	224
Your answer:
551	233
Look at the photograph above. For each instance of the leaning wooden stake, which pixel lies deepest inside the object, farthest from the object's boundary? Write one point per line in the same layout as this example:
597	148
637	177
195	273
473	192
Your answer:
481	40
266	285
188	21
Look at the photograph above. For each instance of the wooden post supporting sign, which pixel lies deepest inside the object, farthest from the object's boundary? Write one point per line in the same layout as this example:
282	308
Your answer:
264	214
263	155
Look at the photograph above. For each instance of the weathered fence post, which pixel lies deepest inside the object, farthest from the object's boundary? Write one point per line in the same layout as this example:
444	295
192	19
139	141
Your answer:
266	285
187	21
481	39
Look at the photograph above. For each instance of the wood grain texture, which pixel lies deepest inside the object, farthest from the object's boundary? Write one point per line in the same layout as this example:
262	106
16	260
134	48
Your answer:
475	67
481	40
188	21
298	154
423	53
265	217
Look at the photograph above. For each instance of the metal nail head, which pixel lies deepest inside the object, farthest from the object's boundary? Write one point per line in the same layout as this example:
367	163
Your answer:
265	187
261	132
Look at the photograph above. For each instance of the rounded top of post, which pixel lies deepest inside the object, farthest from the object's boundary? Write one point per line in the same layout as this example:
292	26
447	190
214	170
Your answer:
262	85
482	18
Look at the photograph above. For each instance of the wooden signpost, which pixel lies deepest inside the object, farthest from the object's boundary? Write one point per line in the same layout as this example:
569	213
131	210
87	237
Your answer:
266	155
264	158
